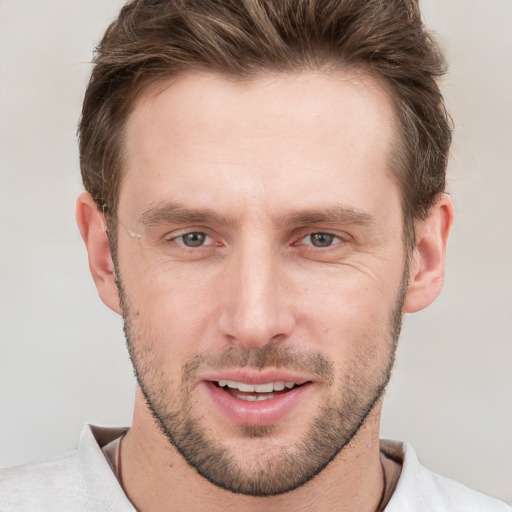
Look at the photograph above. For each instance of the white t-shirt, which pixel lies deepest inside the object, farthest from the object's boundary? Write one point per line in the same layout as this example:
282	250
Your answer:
83	481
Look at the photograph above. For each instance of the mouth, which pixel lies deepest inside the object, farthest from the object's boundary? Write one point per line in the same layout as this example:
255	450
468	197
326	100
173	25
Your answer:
256	392
261	401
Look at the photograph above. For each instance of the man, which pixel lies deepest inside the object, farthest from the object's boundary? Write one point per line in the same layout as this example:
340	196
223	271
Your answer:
265	199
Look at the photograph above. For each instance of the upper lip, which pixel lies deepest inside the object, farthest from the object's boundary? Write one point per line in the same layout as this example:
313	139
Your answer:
251	376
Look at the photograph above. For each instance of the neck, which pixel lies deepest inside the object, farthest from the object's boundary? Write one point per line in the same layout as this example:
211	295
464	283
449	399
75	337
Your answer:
156	478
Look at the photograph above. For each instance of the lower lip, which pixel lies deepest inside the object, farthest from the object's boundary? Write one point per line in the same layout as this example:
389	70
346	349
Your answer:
262	412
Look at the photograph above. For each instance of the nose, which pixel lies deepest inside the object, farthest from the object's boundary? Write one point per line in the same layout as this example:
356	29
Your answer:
257	306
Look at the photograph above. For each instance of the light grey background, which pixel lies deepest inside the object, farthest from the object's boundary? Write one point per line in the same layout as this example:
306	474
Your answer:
62	356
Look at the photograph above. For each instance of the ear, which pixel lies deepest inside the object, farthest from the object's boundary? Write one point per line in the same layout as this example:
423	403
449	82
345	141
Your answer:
92	226
426	275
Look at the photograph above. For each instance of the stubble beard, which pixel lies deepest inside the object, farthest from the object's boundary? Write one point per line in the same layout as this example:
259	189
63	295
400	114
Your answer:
283	468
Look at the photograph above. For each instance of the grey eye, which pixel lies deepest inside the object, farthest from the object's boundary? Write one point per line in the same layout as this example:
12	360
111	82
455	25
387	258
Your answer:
321	239
194	239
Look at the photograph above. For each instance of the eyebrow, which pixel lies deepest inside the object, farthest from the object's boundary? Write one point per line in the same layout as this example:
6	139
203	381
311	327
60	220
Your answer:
337	214
177	213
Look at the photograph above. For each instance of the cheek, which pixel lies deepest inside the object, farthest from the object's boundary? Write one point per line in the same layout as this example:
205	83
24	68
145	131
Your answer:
348	312
172	310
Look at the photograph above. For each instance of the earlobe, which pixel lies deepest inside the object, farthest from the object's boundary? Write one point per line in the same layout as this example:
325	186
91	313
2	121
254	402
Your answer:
427	263
92	225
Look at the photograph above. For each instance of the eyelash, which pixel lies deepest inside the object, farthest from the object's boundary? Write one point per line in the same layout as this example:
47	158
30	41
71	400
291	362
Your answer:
336	239
183	235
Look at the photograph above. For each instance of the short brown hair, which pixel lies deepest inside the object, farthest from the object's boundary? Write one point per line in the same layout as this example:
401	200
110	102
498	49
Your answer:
152	40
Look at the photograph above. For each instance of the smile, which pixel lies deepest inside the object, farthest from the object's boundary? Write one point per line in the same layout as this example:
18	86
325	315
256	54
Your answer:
265	402
256	392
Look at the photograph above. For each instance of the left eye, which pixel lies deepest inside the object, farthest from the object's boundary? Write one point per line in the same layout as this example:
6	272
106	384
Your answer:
194	239
320	239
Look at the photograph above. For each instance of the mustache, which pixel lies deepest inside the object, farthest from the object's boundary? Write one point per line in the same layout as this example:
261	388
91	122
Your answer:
268	356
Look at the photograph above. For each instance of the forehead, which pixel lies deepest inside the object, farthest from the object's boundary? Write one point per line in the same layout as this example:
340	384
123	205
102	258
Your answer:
267	142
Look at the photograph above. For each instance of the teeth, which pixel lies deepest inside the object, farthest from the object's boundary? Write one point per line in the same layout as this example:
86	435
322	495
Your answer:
267	387
248	388
254	398
264	388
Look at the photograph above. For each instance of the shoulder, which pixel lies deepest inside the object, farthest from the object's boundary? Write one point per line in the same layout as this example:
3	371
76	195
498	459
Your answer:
421	490
80	480
42	486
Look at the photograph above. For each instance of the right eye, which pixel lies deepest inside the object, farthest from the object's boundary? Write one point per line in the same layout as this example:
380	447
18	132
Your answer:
192	239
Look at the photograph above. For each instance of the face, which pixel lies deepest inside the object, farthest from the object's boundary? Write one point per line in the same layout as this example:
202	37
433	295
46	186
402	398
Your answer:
261	269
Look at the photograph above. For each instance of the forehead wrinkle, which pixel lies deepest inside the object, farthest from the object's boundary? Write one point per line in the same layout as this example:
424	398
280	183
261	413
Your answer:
177	213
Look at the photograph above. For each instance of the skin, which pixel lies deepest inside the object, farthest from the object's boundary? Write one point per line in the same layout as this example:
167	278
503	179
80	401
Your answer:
276	160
